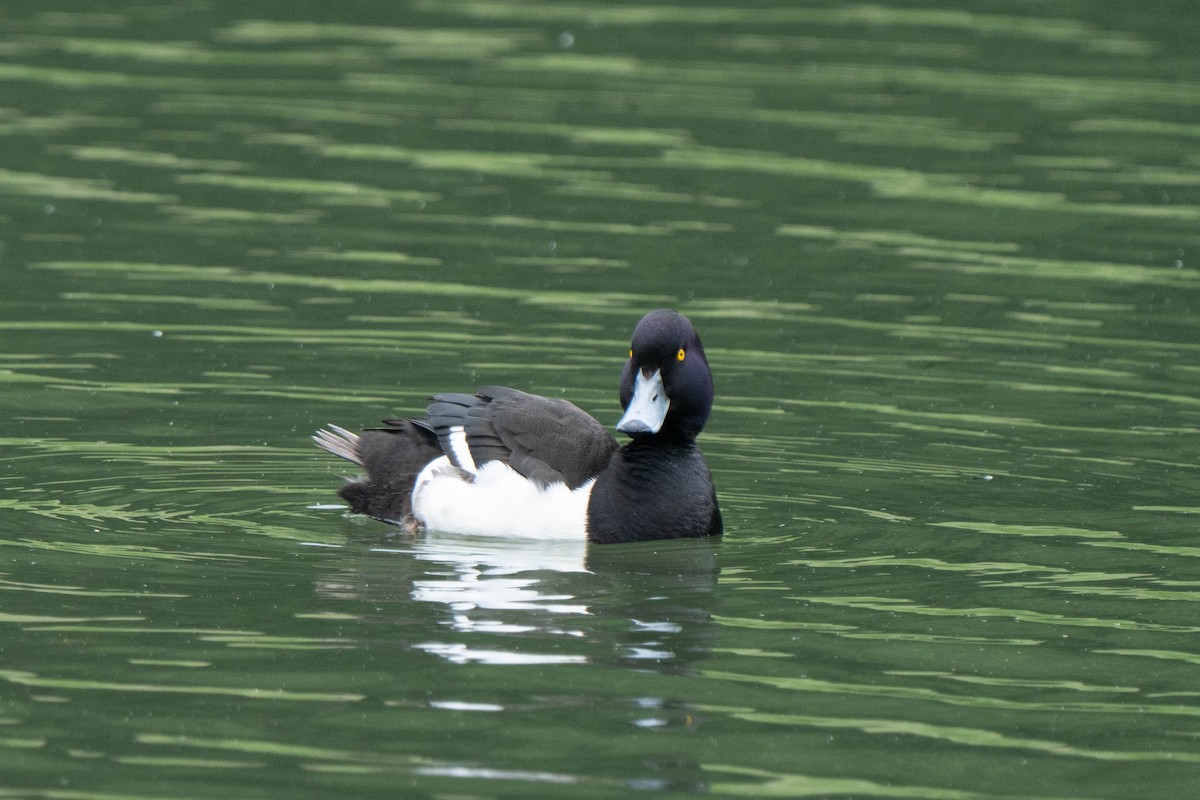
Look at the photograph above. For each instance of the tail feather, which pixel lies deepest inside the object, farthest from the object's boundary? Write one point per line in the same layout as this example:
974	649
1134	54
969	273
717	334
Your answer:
392	457
340	442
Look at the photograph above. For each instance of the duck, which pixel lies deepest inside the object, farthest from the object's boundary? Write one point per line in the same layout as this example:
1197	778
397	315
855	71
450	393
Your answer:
502	462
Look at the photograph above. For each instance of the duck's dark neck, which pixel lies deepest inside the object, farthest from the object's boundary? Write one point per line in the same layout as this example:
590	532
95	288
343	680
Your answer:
654	488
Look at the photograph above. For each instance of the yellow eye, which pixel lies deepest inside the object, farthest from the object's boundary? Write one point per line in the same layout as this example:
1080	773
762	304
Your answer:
680	355
631	352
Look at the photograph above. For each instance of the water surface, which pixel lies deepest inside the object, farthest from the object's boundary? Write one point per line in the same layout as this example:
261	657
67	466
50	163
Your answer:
943	263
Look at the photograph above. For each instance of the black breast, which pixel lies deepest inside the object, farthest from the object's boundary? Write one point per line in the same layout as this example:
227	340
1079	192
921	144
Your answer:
654	490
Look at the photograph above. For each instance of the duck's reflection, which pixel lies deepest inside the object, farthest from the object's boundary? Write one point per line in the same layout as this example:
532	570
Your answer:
510	601
662	595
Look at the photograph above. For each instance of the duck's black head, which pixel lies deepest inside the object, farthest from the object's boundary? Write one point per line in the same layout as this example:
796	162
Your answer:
666	386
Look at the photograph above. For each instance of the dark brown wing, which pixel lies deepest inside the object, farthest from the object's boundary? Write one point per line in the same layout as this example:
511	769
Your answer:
546	440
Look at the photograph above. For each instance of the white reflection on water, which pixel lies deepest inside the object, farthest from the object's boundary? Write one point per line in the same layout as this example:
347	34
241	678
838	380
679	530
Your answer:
458	705
497	774
502	556
483	600
481	576
462	654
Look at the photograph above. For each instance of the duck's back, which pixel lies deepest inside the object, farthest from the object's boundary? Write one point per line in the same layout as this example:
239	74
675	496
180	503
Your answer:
543	439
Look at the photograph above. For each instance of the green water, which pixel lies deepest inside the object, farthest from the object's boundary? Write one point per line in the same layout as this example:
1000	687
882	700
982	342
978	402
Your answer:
943	262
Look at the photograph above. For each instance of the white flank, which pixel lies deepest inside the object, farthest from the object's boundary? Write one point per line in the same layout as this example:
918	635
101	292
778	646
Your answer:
499	502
